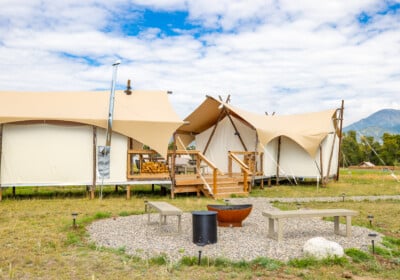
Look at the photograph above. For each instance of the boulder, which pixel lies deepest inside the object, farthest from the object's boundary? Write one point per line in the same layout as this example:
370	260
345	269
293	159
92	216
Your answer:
321	248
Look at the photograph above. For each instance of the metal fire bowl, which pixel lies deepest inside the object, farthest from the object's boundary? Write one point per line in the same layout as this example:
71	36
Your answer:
231	215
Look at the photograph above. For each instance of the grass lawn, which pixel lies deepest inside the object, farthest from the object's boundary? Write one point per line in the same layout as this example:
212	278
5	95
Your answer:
38	242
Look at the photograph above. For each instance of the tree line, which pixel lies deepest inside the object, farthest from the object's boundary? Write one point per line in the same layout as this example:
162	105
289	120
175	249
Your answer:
365	148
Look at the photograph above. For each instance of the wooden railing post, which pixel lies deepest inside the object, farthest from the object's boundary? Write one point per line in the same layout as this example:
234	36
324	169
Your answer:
245	184
215	181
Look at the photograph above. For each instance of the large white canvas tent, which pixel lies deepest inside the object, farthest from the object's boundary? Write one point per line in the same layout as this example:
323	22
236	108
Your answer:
50	138
294	146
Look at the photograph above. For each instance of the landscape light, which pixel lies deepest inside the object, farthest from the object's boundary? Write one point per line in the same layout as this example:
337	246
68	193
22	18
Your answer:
370	218
226	201
199	261
372	236
74	215
343	195
298	204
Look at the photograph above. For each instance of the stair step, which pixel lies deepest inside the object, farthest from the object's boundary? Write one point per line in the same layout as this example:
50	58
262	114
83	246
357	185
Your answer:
226	186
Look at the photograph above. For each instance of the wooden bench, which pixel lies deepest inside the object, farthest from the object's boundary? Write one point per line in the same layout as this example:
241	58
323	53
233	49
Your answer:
165	209
277	215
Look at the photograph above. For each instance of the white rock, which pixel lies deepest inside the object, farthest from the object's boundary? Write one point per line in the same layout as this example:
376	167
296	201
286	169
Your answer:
320	248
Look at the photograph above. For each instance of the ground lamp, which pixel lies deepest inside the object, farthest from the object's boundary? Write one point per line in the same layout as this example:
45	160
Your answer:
372	236
370	218
226	201
343	195
74	215
298	204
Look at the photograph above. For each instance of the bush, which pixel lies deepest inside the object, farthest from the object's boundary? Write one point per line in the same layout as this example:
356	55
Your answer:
159	260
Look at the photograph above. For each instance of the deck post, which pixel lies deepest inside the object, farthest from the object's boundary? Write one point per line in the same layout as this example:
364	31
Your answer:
128	191
215	181
245	184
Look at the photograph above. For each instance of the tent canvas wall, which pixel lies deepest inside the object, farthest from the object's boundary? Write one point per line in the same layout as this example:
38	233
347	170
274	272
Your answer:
226	139
293	145
50	138
295	162
57	154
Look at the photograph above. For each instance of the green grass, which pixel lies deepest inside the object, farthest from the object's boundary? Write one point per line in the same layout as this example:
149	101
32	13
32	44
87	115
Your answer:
38	240
352	182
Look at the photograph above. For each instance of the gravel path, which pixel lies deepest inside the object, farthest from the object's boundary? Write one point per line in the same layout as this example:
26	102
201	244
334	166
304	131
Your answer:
241	243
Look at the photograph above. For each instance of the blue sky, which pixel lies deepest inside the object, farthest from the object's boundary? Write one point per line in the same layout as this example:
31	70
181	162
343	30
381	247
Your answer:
278	56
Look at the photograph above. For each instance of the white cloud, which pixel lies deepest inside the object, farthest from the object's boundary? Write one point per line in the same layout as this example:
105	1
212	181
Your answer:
282	56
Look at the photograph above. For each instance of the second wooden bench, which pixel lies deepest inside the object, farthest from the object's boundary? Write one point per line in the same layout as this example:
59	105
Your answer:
277	216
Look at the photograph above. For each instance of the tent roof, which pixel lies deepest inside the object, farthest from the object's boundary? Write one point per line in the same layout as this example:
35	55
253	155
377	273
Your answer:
206	115
308	130
146	116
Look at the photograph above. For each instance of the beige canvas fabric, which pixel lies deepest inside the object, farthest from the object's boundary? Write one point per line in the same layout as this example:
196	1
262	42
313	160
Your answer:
146	116
307	130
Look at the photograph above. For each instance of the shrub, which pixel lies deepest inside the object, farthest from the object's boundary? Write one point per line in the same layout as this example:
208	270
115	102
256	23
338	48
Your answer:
189	261
159	260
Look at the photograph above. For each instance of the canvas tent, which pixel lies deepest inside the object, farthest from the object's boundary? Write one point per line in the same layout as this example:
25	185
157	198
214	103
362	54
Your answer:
50	138
302	145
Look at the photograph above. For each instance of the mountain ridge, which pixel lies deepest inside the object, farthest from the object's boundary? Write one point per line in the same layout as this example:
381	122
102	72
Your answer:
378	123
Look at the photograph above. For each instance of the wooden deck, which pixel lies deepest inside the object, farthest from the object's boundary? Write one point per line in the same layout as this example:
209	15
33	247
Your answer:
200	176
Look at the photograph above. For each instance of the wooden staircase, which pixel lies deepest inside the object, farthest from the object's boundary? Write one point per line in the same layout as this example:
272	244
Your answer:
225	187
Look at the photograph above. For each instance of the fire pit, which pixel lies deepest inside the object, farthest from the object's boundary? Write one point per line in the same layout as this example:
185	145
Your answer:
231	215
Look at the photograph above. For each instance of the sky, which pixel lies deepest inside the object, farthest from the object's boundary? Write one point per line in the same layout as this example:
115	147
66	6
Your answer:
281	56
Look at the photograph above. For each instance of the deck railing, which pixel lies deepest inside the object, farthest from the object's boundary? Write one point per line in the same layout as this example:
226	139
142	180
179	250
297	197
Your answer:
147	164
248	163
201	163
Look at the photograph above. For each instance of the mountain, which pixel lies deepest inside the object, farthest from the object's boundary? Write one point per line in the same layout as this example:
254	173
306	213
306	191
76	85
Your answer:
386	120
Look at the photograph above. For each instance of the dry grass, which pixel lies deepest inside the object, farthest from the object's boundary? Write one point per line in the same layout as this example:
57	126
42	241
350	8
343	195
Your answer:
38	241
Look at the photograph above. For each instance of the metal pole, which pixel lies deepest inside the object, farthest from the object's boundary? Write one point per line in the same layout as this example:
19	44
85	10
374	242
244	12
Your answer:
111	105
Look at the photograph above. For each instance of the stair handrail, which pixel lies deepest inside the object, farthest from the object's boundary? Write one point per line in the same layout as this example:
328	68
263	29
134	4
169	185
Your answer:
214	168
210	191
216	171
244	167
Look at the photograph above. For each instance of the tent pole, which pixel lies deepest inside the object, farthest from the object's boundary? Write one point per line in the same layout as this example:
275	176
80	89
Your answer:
93	187
214	129
173	166
253	176
278	161
237	132
340	139
322	167
1	152
331	156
